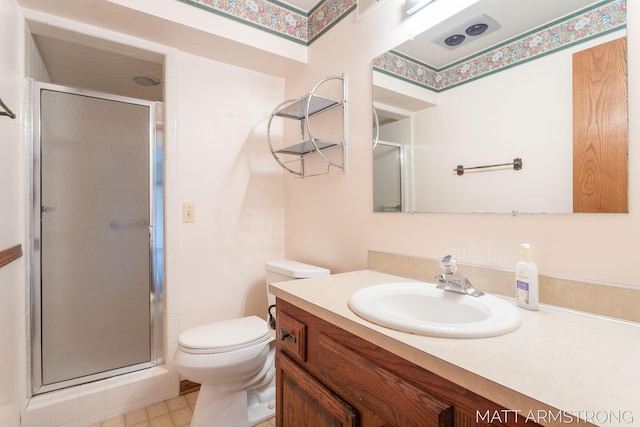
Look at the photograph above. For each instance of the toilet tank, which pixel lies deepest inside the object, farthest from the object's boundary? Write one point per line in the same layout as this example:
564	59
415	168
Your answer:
283	270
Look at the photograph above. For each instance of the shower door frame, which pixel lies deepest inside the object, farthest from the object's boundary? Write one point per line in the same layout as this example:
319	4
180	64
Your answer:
156	241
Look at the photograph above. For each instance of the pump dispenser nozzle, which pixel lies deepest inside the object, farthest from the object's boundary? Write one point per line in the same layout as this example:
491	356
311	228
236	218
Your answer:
525	252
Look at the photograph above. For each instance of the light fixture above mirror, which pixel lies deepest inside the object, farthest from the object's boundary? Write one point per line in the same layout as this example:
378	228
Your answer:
412	6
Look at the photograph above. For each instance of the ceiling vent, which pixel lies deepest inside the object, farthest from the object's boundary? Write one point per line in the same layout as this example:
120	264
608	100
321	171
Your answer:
145	79
467	32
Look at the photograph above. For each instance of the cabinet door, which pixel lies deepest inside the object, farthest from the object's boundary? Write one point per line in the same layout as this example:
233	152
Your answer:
393	399
303	401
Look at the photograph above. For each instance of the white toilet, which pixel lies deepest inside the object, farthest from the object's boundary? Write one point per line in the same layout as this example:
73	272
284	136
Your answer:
233	361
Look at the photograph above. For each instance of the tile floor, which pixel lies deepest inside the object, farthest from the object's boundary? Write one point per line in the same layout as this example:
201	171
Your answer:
174	412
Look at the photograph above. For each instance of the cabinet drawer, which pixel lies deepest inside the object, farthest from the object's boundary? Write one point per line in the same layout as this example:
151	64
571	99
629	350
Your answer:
393	399
291	335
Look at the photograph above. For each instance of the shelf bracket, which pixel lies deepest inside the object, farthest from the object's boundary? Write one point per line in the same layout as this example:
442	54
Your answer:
7	111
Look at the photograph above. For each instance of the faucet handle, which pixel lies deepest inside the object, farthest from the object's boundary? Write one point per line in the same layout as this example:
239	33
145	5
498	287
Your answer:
448	264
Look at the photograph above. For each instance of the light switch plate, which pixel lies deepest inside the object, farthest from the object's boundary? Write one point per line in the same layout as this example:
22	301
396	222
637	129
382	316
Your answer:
188	212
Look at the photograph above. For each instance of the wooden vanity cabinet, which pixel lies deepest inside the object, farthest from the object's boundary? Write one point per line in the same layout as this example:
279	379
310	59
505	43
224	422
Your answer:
327	376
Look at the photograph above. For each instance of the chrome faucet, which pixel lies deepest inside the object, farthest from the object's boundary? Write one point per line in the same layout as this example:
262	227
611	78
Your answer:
449	280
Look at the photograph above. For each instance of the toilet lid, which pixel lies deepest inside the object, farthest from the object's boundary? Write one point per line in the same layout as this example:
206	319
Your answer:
225	336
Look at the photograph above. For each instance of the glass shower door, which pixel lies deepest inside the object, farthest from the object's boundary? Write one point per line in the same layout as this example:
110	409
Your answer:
95	222
387	177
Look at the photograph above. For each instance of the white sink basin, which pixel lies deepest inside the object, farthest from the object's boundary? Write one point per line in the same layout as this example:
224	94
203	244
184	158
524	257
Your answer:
421	308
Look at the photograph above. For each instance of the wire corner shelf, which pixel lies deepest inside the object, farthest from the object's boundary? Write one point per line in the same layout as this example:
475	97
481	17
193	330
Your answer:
292	157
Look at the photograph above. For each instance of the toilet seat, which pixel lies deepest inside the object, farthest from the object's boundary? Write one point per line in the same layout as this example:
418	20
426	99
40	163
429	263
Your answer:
226	336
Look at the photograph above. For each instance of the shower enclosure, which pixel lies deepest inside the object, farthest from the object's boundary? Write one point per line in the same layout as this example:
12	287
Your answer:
97	270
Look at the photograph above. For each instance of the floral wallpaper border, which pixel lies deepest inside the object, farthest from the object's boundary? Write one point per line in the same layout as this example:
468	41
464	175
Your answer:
279	18
599	19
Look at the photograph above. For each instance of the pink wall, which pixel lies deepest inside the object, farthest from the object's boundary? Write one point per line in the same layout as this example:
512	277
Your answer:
219	160
339	205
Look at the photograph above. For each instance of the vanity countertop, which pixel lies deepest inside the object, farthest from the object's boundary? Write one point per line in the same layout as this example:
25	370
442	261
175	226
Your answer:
558	365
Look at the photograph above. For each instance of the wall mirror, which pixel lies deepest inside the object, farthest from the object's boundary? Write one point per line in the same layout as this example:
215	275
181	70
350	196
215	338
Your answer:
506	107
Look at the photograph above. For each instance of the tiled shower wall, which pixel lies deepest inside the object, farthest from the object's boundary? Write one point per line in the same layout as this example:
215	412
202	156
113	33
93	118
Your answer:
89	403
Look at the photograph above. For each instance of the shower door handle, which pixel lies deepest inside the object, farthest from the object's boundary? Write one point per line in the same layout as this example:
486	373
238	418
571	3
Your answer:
120	225
47	209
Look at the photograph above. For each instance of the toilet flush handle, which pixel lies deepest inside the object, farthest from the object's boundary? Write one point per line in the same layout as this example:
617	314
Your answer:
285	335
272	317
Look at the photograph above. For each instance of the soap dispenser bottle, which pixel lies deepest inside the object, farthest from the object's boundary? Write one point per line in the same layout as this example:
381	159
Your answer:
526	280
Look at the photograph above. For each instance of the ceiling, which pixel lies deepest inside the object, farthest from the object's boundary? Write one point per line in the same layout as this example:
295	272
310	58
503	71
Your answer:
83	66
514	18
85	62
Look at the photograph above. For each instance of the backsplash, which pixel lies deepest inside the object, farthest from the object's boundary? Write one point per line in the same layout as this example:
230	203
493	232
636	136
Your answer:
280	18
604	299
600	19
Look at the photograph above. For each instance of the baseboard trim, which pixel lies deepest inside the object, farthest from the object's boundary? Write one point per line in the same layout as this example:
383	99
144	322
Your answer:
187	387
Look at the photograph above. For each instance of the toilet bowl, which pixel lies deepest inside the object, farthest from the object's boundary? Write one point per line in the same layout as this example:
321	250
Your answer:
233	361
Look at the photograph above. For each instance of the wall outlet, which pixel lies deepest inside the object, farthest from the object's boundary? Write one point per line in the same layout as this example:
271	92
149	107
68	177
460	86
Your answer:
188	212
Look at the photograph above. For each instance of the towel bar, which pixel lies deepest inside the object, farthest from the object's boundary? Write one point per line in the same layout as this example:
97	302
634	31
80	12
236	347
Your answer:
517	165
